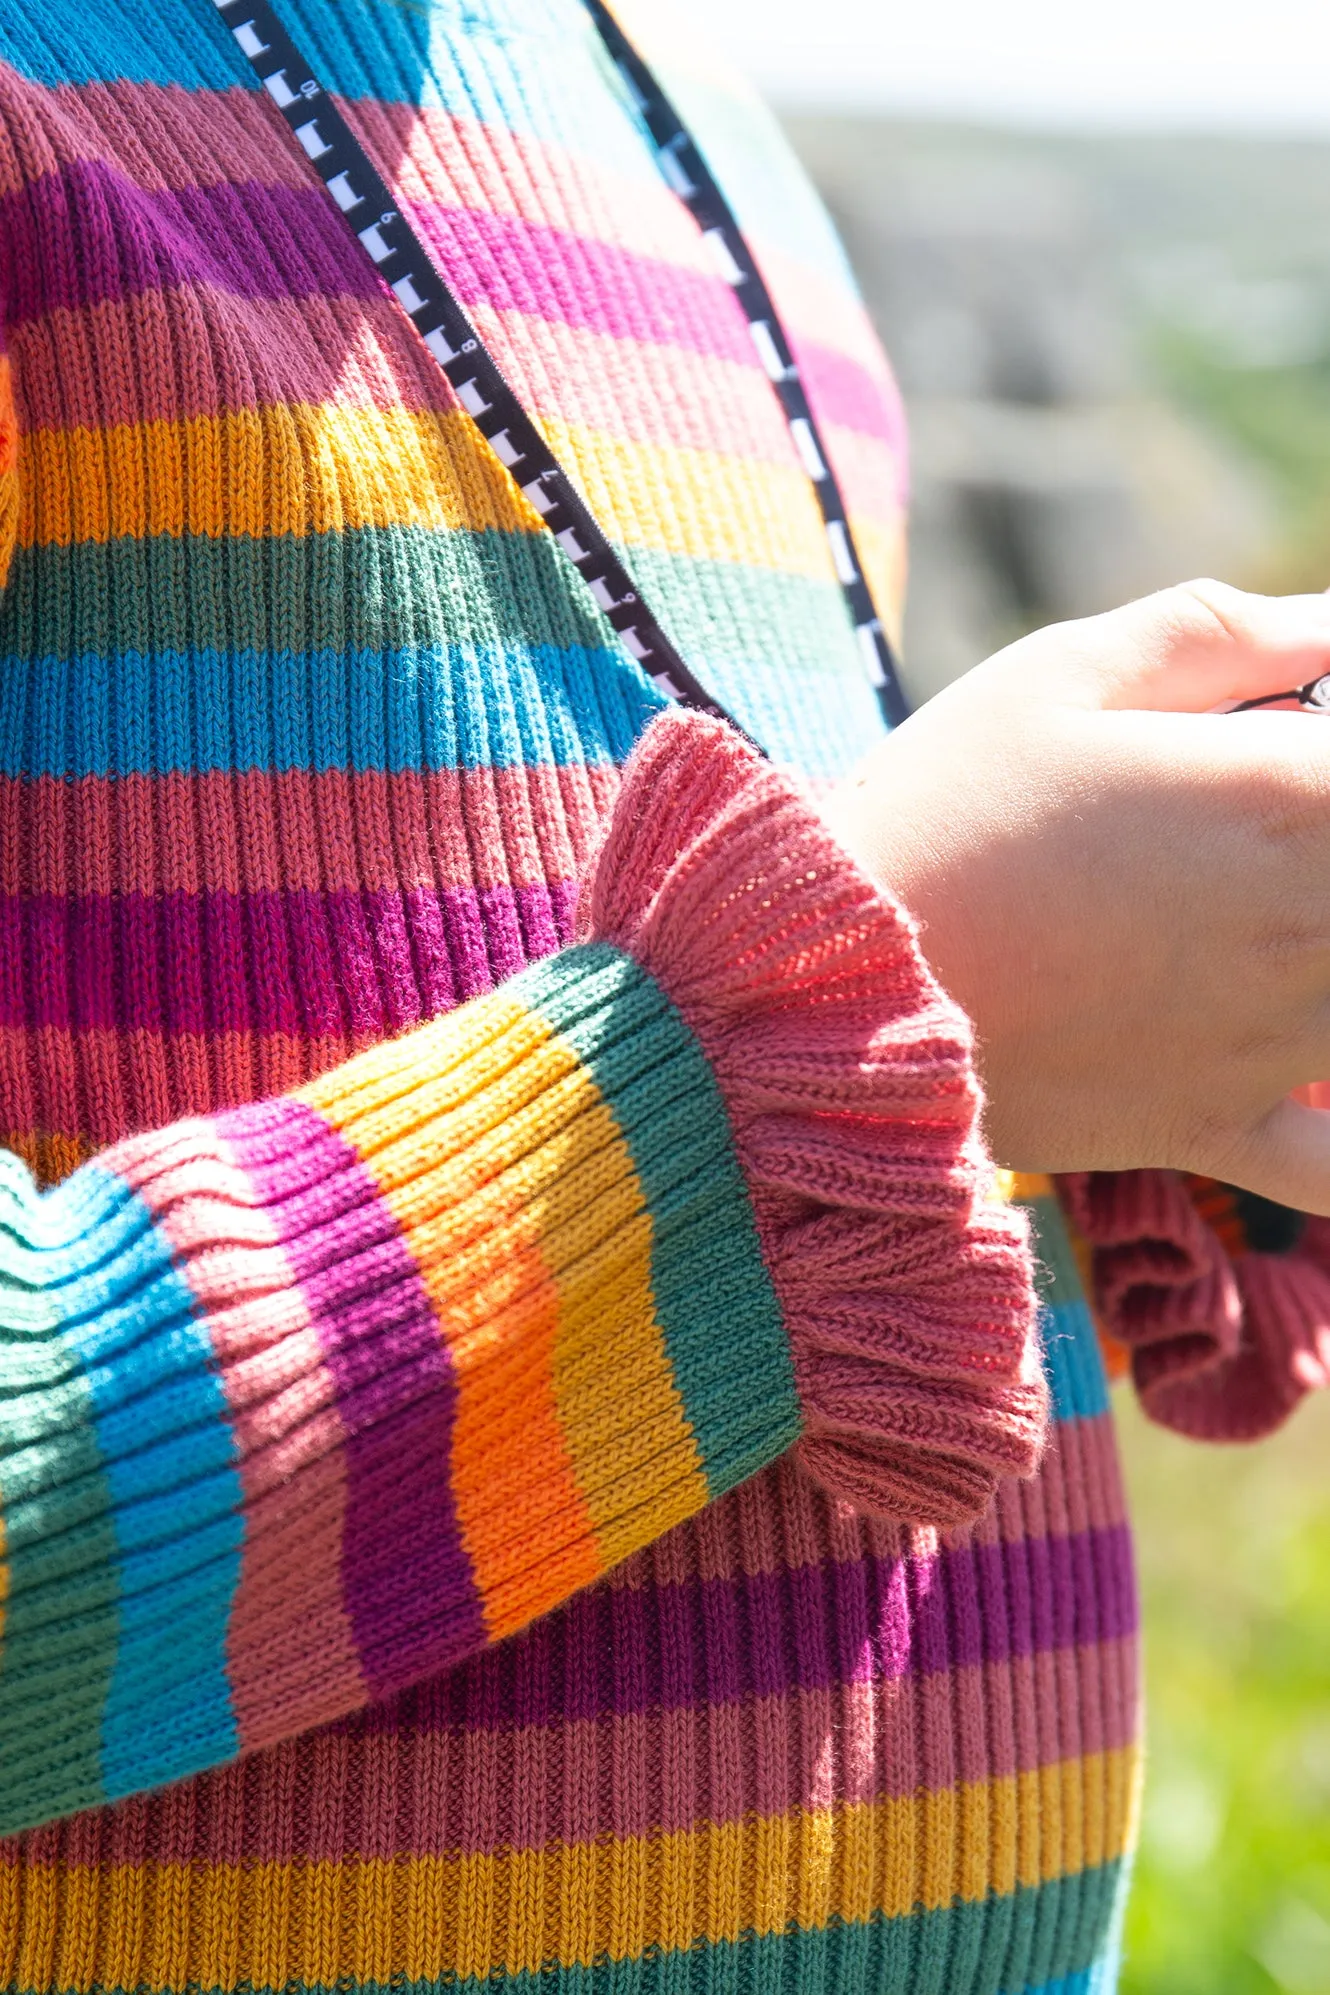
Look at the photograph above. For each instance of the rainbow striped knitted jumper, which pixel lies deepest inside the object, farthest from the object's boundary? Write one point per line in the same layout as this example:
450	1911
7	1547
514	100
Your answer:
521	1463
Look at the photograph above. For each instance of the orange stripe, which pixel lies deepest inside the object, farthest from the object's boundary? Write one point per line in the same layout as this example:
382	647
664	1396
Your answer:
467	1198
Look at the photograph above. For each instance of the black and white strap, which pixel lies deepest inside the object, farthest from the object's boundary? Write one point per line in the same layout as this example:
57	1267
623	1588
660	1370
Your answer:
684	168
392	245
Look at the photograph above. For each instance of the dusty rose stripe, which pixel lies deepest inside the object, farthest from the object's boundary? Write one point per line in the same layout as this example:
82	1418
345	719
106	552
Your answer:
651	1771
426	154
334	352
350	354
296	963
405	1574
1078	1488
89	1087
166	138
292	1553
261	830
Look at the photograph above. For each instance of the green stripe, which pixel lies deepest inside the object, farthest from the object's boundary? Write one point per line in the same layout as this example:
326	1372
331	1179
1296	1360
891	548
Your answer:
389	586
57	1542
1057	1274
368	586
713	1296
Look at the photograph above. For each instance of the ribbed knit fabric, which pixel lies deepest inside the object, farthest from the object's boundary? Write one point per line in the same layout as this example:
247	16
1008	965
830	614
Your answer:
306	735
1221	1298
351	1383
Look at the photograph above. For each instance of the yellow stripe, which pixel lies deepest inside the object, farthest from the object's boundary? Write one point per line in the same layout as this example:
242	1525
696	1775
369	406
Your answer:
292	469
373	1919
701	503
882	554
1023	1187
304	468
492	1147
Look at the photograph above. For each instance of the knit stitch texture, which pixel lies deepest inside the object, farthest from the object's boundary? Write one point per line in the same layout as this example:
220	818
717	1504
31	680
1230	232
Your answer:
1222	1299
496	1290
403	1404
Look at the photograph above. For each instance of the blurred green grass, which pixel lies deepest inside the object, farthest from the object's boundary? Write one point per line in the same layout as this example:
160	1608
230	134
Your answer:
1232	1893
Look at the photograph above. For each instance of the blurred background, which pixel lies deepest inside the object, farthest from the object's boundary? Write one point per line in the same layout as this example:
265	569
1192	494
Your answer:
1098	250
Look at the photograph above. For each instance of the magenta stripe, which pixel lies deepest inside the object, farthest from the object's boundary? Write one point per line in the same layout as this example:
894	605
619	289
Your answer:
622	1650
843	392
515	265
296	962
259	241
408	1586
250	239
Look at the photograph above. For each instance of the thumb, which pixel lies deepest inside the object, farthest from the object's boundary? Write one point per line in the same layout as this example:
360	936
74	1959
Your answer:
1286	1157
1193	648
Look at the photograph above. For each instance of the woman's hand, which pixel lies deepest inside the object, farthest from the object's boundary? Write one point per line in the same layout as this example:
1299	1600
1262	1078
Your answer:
1130	895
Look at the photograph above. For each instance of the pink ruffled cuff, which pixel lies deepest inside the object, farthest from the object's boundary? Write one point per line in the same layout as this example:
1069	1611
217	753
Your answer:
1222	1347
847	1073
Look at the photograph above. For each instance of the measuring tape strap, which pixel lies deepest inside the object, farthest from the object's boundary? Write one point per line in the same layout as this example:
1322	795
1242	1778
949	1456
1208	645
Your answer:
686	171
407	267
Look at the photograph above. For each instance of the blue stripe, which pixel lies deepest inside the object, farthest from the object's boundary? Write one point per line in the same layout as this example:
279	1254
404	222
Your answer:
159	1416
1073	1363
429	707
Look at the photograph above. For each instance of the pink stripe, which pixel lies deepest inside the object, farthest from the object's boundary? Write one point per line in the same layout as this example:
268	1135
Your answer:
335	831
367	964
511	264
429	158
1078	1488
284	1422
846	394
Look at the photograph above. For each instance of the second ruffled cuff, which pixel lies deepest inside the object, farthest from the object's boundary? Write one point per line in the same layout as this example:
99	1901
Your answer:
1224	1340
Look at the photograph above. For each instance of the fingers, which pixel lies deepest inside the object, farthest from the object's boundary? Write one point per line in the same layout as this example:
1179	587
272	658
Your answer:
1286	1158
1199	646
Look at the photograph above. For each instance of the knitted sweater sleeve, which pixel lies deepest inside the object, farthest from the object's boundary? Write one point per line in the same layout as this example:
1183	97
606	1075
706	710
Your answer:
304	1401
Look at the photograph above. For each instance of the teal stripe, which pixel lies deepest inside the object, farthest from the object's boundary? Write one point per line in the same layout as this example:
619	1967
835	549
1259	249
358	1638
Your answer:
381	589
777	650
324	651
713	1297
